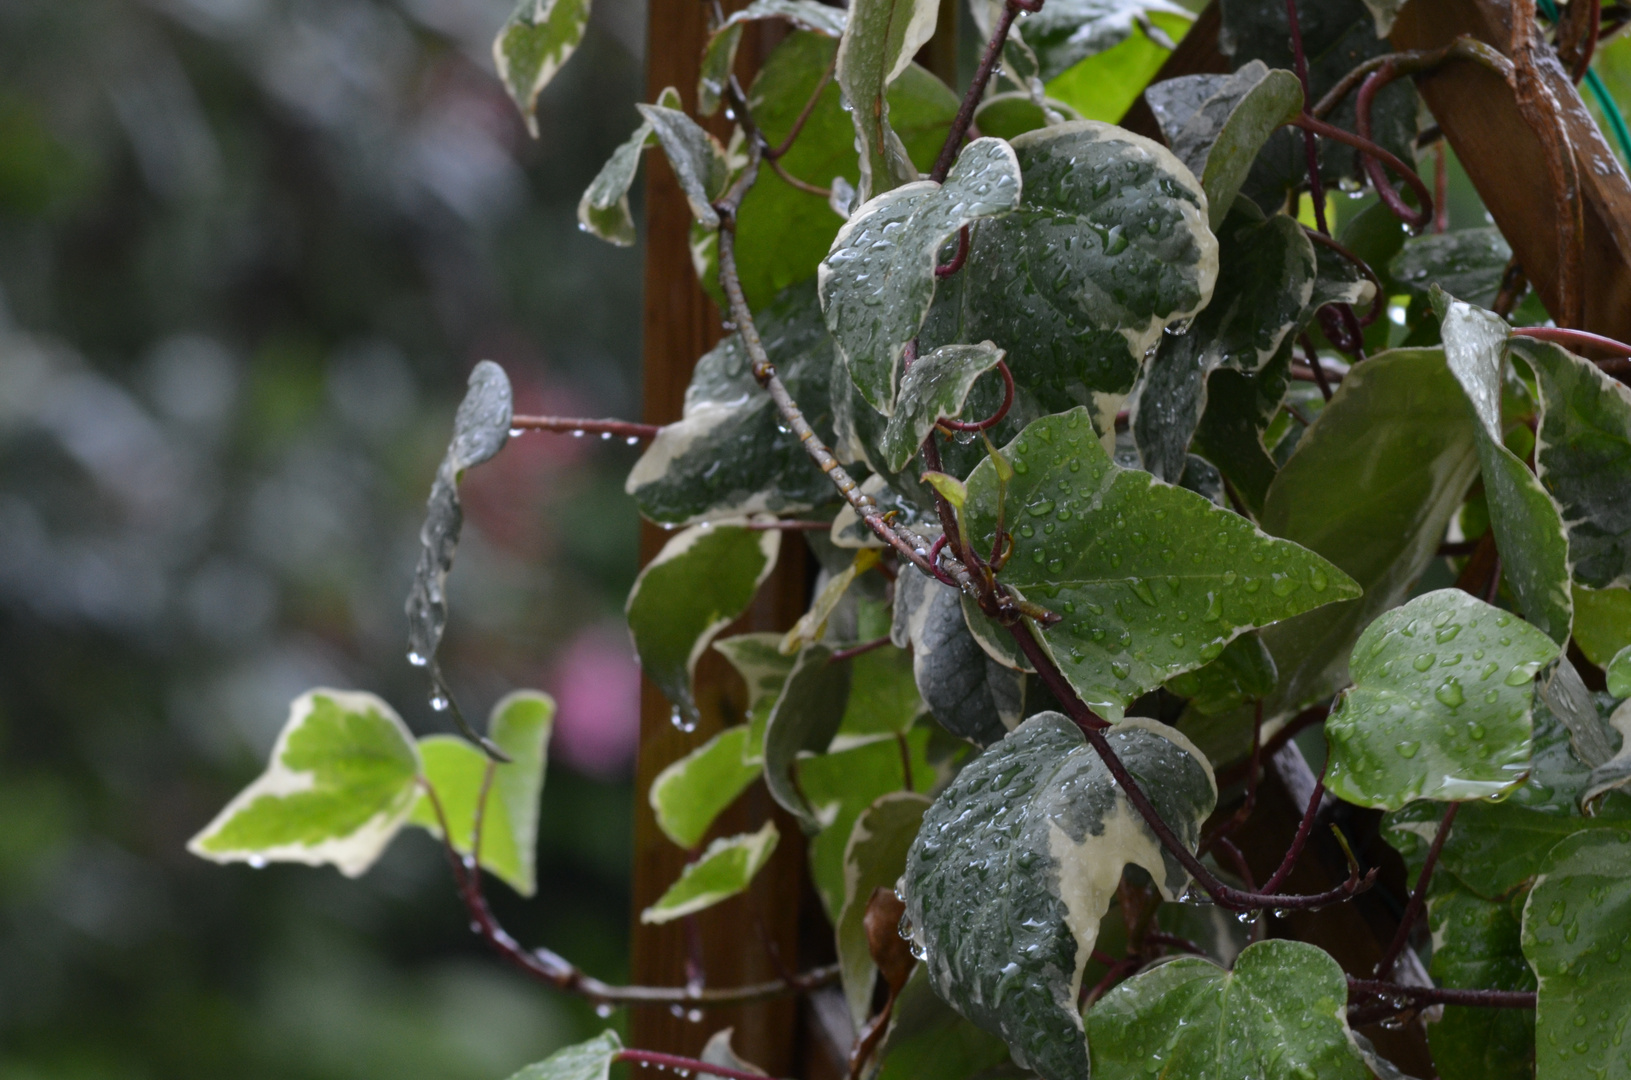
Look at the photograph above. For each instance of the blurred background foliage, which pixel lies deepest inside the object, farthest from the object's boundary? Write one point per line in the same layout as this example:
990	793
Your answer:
249	250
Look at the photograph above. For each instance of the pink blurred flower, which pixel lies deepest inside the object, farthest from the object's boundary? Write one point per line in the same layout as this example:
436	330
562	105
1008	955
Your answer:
597	693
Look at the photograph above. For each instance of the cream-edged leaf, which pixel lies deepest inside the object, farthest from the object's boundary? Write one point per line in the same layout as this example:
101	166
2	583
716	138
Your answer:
538	37
724	870
690	793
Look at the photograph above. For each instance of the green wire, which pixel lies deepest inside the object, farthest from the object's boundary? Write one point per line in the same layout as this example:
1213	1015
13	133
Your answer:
1599	92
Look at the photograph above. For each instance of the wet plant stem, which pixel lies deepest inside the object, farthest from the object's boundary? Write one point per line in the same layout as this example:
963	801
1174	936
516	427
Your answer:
1418	897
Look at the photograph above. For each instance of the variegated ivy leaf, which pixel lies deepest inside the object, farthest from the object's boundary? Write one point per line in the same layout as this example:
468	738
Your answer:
720	54
880	39
878	280
456	771
1583	455
340	783
591	1060
724	870
1109	245
1015	112
1065	32
1575	929
480	429
538	37
812	625
1149	580
1265	283
604	208
873	858
1439	708
758	659
699	582
804	718
971	695
1017	861
1565	694
1243	672
1280	1014
926	1037
1466	263
689	794
1528	527
1476	947
730	454
696	157
718	1051
1615	773
935	386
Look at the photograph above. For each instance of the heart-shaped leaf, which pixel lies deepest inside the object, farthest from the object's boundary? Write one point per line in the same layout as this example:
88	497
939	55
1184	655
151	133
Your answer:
805	718
591	1060
538	37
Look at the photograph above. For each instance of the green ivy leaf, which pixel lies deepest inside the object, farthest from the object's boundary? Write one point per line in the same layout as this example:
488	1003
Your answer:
758	659
969	694
520	725
782	233
1216	124
696	158
936	385
1265	281
1602	622
719	56
1017	862
701	580
538	37
883	697
1280	1014
603	210
839	787
1617	673
1576	926
591	1060
1243	672
878	280
1015	112
730	455
1439	708
724	870
1583	455
880	39
1528	527
340	783
1615	773
1108	247
1149	580
812	625
928	1040
805	718
874	857
1476	947
1066	32
1239	409
1105	86
689	794
1468	263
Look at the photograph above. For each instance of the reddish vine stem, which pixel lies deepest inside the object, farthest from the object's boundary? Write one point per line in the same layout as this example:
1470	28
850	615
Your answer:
1412	62
1577	338
958	259
684	1064
1418	897
1305	829
774	152
995	418
1384	190
1378	301
856	650
580	426
788	525
1443	995
1288	731
1316	367
976	88
1316	187
1173	941
1121	969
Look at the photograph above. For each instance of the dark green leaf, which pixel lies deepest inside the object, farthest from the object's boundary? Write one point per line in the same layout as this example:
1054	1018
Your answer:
759	660
971	695
1017	862
1439	708
604	208
538	37
1467	263
1476	947
928	1040
883	697
1617	673
1006	115
1149	580
696	158
1239	409
1243	672
805	718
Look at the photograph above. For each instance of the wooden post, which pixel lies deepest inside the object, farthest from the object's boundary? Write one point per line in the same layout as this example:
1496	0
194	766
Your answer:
680	324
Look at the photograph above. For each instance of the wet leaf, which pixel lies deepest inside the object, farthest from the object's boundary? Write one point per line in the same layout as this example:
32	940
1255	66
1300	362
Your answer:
1017	862
805	718
1243	672
696	158
719	56
874	857
1219	135
970	695
1105	86
1602	622
520	726
480	429
340	783
538	37
604	208
812	625
1238	409
1265	281
689	794
1066	32
701	580
1565	694
935	386
928	1040
1279	1015
1467	263
718	1051
724	870
1440	704
1476	947
1576	926
878	280
591	1060
879	40
1108	247
1015	112
1150	580
730	453
1583	455
1528	526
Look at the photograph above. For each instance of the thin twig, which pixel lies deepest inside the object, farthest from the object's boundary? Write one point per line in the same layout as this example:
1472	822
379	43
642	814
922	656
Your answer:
856	650
774	152
976	88
1418	897
1305	829
581	426
1443	995
788	525
793	181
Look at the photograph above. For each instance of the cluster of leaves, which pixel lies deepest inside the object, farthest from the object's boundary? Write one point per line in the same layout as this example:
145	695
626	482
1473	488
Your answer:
1174	530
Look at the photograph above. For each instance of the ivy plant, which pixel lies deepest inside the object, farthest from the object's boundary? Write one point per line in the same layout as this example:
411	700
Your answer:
1126	501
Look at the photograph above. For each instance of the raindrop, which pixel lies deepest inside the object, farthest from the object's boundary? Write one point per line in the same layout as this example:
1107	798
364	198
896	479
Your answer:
605	436
577	433
1449	693
632	440
438	701
695	1017
1522	673
683	722
1407	749
1425	661
1317	580
257	862
417	659
515	433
